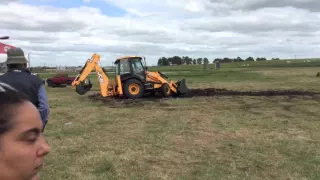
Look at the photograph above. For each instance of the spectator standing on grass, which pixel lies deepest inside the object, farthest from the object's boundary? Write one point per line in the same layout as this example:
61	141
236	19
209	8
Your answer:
22	146
19	77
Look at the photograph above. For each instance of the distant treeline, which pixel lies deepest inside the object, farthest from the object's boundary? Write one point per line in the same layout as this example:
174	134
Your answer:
177	60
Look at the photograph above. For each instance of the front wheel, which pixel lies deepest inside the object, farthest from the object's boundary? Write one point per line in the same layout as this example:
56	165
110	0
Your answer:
133	89
165	90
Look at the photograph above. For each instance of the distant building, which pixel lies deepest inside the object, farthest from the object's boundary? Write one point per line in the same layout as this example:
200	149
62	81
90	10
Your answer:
68	68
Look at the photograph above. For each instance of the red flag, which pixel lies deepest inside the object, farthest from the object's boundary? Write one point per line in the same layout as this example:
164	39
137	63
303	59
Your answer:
4	48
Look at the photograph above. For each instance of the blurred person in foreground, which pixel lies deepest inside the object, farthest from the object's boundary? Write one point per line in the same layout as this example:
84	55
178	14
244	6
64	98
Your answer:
20	78
22	145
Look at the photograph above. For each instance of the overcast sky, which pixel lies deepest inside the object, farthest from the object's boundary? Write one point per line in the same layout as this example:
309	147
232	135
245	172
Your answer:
67	32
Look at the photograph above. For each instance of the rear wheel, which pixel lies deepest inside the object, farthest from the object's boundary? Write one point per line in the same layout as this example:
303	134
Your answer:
69	83
133	89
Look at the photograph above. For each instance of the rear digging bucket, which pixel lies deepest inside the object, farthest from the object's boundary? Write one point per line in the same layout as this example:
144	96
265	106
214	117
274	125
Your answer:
182	87
83	89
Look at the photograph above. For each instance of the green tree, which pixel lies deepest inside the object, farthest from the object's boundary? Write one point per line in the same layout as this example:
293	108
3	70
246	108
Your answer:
250	59
199	61
205	61
163	62
186	60
239	59
160	62
176	60
261	59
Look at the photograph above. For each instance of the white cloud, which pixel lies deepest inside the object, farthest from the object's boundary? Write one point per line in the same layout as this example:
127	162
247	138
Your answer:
8	1
312	5
197	28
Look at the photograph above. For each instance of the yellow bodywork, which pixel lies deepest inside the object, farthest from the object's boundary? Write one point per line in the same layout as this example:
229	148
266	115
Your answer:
156	78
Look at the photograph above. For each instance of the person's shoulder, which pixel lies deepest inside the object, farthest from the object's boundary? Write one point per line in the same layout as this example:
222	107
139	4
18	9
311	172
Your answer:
4	75
36	78
35	75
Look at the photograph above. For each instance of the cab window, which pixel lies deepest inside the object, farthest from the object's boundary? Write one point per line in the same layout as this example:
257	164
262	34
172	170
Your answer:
124	66
137	65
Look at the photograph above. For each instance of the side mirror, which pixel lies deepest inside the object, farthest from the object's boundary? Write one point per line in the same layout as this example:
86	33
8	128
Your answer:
146	68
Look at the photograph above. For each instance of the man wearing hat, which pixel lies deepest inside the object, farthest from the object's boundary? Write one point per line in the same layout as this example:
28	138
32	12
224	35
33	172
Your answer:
19	77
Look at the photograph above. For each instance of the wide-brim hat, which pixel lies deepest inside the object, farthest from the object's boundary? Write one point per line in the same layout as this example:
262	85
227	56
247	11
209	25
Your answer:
16	56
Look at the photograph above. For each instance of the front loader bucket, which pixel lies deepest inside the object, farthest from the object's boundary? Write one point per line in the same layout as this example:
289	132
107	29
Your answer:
83	89
182	87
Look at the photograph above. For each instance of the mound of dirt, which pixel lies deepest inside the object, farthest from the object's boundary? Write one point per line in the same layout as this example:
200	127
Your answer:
147	101
225	92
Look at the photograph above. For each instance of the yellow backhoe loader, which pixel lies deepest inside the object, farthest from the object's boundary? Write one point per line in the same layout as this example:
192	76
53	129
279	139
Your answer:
132	79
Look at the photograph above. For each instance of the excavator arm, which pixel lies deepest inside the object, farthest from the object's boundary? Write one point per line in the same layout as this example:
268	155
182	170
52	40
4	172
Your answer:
83	84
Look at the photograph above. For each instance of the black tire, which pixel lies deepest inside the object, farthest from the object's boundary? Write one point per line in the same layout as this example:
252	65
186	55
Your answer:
69	83
133	89
50	84
165	90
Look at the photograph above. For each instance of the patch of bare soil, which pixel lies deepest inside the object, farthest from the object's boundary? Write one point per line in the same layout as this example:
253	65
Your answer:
115	102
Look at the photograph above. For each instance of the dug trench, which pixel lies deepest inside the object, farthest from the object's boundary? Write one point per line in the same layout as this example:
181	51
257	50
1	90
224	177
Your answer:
207	92
225	92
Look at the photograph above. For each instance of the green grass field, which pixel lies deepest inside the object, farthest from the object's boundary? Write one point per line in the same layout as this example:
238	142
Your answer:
199	138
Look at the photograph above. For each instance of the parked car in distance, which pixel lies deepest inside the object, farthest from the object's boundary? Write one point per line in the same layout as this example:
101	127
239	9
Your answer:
60	79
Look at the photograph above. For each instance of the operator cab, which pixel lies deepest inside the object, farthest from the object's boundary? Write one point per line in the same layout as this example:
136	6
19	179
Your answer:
131	66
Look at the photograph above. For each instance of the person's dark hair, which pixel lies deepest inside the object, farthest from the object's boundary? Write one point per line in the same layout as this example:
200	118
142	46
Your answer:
9	98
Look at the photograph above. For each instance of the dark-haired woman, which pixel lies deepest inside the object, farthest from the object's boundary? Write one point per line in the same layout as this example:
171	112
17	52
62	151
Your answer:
22	146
